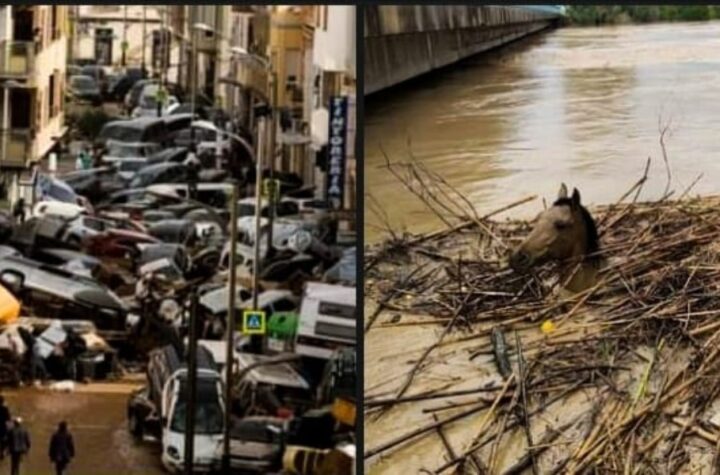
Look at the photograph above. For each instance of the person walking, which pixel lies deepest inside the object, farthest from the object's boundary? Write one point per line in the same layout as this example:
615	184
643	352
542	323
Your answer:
18	445
193	171
4	423
62	448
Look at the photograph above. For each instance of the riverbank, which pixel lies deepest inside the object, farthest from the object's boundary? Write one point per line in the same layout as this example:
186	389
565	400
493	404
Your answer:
588	15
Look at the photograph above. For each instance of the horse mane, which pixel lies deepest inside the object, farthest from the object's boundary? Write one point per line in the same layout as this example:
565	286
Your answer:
593	239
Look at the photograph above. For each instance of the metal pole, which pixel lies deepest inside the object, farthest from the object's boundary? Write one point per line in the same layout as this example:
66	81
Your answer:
144	33
230	328
255	340
124	40
161	61
273	148
191	388
193	82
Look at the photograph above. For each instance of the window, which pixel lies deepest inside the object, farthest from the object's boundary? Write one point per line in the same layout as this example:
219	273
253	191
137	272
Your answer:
333	309
335	331
54	24
51	95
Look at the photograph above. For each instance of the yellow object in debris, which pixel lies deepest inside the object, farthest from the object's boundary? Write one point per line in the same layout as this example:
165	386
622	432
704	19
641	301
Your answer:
9	307
547	326
344	411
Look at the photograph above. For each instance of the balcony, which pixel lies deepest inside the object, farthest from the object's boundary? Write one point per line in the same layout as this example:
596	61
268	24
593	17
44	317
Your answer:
15	148
16	58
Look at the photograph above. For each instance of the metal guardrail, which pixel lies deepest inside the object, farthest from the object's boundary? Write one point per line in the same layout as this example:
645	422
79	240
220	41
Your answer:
17	58
15	148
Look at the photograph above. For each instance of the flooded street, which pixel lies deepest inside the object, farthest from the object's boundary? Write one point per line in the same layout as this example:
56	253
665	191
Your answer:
579	105
96	415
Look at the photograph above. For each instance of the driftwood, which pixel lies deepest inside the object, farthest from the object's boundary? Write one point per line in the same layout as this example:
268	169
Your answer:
657	292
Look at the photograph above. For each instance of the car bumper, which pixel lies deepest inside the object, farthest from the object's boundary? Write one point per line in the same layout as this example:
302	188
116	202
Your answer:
178	467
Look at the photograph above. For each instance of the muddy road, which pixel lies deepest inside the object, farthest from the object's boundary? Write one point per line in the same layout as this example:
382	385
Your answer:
96	417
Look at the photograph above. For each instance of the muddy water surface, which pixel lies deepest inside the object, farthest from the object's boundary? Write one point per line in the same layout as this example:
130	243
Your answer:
580	105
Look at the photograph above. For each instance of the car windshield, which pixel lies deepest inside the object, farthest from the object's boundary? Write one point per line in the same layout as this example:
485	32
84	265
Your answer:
148	102
246	209
255	431
83	82
131	165
208	412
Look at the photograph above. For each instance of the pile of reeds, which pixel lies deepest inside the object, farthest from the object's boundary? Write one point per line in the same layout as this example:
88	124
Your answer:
657	290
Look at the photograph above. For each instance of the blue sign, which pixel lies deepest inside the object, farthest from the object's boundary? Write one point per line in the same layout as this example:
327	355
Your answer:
337	137
253	322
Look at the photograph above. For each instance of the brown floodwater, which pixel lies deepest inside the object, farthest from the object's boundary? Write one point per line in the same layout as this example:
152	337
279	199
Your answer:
576	105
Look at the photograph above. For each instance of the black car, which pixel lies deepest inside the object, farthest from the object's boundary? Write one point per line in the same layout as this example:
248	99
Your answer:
166	172
58	293
96	183
171	154
140	130
85	89
123	83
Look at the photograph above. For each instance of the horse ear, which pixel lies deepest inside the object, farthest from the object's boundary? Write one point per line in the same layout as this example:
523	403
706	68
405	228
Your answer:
563	193
576	197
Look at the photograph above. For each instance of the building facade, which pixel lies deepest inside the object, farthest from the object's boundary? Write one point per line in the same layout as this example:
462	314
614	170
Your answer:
33	54
334	74
118	35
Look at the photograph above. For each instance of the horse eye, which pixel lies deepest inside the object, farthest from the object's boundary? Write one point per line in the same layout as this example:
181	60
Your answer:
561	225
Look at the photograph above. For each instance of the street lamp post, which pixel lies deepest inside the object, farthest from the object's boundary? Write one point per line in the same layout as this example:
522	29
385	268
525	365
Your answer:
124	40
191	388
273	155
264	142
144	33
258	184
230	328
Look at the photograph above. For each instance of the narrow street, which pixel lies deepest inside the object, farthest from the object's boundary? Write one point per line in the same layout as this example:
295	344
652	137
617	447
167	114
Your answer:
96	417
165	171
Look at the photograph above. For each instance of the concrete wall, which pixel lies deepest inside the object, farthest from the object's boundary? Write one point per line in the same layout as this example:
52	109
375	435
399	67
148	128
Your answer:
404	41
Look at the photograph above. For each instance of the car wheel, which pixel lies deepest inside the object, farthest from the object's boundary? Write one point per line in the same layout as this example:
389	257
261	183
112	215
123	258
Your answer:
135	426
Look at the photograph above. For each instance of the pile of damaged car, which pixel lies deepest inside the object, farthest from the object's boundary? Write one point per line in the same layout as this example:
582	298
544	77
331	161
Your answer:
106	274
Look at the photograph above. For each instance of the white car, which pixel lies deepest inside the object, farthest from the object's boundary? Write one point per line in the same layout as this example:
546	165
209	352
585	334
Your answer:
148	104
57	208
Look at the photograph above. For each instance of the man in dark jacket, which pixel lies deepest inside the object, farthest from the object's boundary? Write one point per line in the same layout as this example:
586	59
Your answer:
18	445
4	422
62	449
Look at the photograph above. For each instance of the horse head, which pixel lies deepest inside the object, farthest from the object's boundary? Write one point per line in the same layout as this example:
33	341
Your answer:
563	232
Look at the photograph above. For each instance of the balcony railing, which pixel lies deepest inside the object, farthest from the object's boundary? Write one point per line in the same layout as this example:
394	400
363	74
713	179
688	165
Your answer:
16	58
15	148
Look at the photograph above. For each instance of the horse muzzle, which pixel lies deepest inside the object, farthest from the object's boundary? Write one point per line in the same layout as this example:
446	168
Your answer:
520	261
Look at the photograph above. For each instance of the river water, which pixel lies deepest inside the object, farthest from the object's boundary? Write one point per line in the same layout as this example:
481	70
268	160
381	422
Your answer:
577	105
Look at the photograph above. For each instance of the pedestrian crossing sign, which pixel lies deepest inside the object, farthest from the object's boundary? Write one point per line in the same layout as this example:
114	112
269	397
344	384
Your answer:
254	322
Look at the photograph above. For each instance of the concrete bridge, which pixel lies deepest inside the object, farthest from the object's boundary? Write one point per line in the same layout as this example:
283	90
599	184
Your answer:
404	41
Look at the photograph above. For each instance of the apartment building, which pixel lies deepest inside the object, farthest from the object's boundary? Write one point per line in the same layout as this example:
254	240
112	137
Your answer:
334	74
201	37
33	54
119	35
